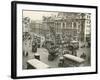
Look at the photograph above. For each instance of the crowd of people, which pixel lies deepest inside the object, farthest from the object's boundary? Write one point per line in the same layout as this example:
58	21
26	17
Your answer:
54	49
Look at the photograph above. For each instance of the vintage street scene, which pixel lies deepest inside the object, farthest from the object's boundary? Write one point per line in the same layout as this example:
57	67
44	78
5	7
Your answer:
55	39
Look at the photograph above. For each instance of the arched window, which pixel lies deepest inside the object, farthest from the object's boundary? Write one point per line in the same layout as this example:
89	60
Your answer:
74	25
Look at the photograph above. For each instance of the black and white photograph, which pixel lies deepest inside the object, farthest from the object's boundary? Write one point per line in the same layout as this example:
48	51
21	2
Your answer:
56	39
53	39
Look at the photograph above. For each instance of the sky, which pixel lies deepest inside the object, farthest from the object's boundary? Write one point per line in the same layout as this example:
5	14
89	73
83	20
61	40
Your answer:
37	15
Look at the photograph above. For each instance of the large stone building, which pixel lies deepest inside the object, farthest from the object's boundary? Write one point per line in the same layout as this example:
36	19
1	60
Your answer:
85	26
87	33
36	26
76	25
26	24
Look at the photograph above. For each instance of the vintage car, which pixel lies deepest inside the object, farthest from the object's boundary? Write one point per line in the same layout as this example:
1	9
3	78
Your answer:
53	53
34	46
73	45
38	42
47	44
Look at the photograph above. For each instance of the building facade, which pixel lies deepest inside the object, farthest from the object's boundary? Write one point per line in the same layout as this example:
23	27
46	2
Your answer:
26	24
35	27
85	33
66	24
76	25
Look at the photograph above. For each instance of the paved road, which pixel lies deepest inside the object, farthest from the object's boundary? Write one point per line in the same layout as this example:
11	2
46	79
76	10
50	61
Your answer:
44	56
